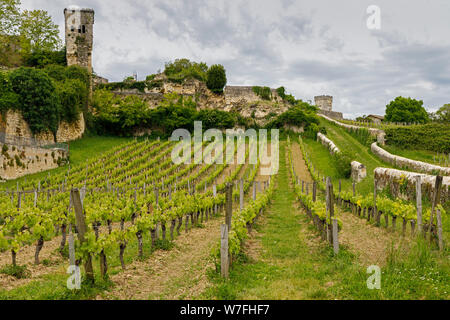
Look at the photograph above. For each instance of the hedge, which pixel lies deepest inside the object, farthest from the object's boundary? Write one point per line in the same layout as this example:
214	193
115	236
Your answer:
434	137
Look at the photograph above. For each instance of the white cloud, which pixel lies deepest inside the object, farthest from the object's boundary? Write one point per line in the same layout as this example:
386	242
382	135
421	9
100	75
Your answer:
310	47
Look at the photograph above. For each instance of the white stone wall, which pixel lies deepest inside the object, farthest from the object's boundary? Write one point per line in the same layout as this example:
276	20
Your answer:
33	160
16	126
327	143
408	163
359	171
403	183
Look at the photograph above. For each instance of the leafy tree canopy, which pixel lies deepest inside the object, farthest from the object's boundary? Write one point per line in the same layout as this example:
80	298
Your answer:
182	69
38	100
28	38
216	78
9	16
406	110
38	32
443	114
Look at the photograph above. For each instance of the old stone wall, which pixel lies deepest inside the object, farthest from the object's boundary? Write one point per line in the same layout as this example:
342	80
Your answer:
79	36
324	102
359	171
327	143
240	99
17	161
402	184
331	114
14	126
408	163
71	131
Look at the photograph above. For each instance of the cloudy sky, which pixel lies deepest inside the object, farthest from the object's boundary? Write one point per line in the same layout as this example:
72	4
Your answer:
309	47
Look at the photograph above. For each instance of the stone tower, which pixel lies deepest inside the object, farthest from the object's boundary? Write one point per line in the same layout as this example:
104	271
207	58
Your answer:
79	36
324	102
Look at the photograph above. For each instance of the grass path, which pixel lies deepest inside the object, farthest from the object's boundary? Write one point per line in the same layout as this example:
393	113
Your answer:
285	259
369	243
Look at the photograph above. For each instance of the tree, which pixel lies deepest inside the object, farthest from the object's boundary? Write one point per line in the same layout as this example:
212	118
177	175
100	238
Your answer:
182	69
9	17
8	99
443	114
406	110
38	100
9	41
216	78
38	32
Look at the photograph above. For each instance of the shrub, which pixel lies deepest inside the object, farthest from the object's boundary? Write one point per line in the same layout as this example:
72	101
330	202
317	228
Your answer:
342	162
362	135
121	116
311	131
73	96
216	78
281	92
213	118
296	116
42	58
38	101
8	98
19	272
264	93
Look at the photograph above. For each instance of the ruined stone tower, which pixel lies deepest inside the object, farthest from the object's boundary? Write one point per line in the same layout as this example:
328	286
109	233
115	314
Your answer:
79	36
324	102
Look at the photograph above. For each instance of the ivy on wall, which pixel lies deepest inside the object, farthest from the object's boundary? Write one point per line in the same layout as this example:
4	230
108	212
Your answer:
45	96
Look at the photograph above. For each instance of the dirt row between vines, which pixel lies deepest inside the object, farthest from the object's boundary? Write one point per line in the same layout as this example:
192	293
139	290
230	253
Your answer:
371	244
180	273
51	260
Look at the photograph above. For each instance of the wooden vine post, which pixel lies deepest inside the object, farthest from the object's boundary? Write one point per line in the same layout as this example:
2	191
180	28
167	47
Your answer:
229	204
330	209
224	262
215	195
335	236
314	191
436	200
224	229
375	209
439	230
241	194
419	203
81	227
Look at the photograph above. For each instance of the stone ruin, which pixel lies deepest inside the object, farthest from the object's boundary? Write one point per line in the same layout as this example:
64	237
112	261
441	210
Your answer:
325	104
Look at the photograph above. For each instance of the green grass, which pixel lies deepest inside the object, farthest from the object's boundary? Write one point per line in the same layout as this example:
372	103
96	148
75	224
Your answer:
16	271
291	268
80	151
53	287
420	155
347	143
